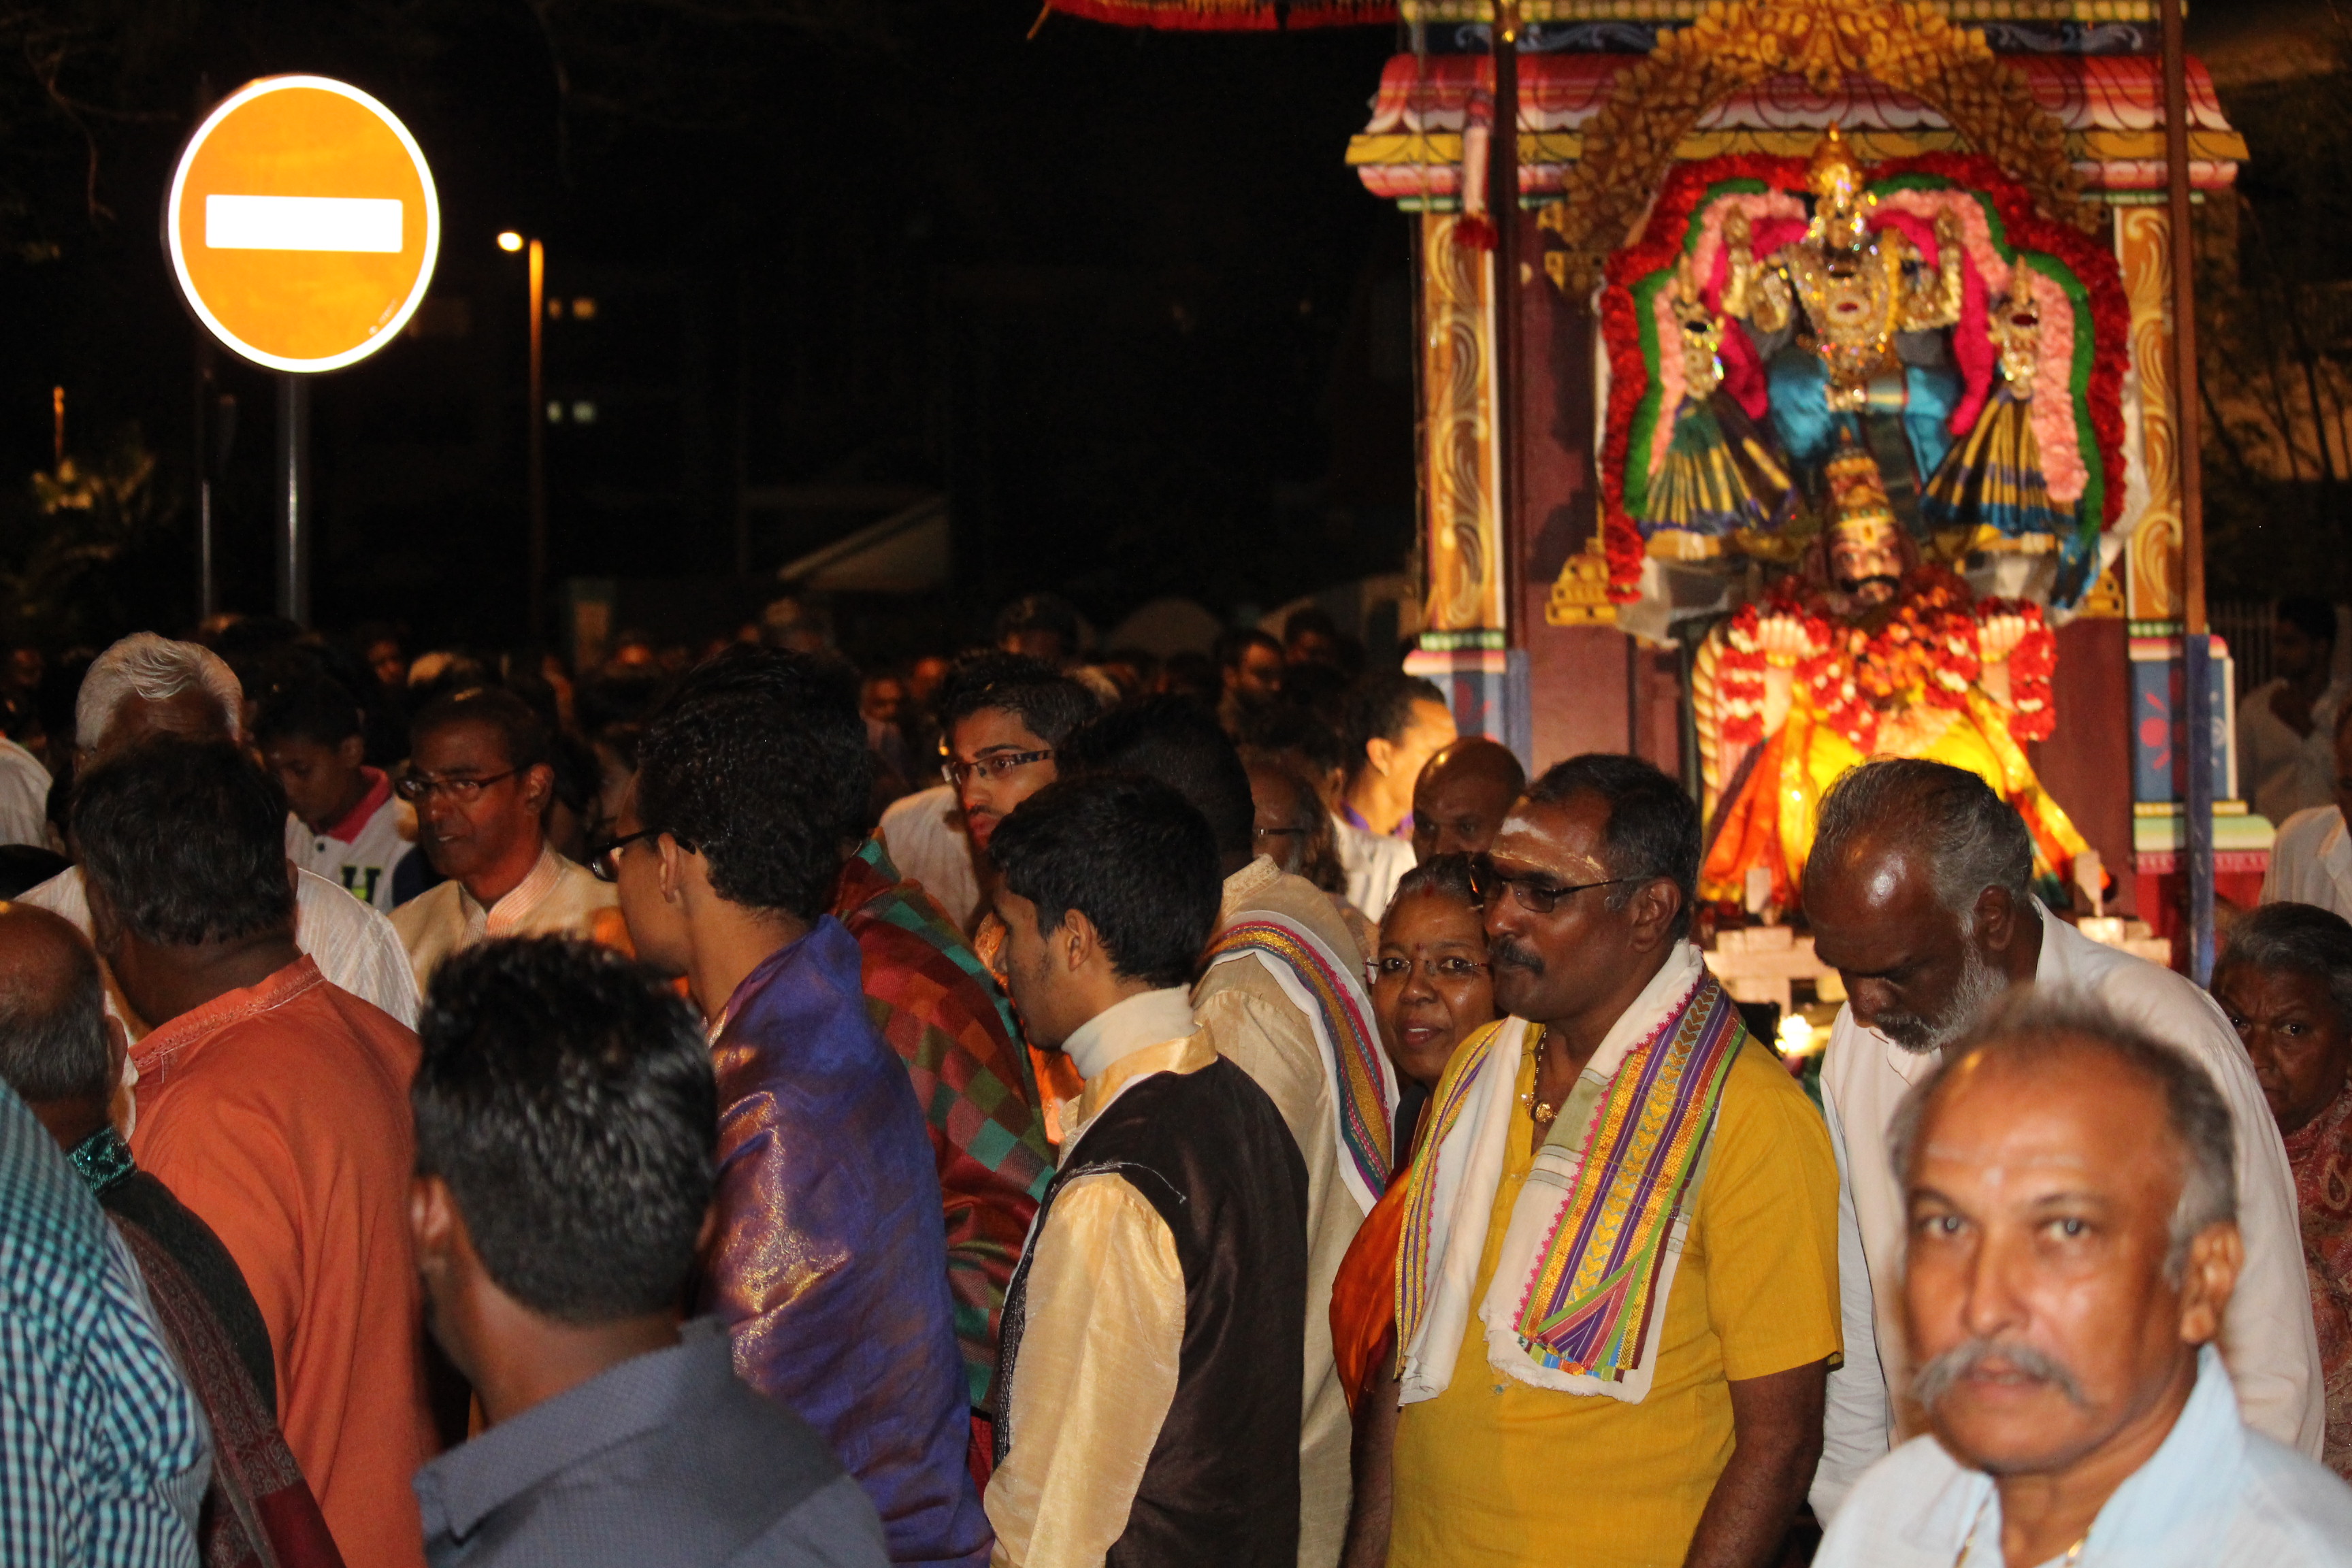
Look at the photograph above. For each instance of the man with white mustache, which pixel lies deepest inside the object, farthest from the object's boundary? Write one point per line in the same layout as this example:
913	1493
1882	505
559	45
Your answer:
1919	893
2069	1185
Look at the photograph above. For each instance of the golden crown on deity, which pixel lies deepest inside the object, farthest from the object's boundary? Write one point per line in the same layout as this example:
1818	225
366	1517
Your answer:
1835	180
1834	172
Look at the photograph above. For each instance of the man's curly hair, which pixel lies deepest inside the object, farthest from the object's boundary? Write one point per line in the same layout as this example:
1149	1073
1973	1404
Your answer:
758	760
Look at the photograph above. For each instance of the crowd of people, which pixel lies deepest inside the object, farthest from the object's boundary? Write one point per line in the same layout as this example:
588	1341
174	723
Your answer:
472	1110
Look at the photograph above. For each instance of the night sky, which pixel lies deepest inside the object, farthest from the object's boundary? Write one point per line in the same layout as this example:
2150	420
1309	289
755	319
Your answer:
1114	294
1105	289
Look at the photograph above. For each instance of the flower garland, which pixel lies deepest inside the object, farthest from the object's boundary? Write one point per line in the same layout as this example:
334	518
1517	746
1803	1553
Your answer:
1926	650
1690	186
1740	679
1929	650
2033	715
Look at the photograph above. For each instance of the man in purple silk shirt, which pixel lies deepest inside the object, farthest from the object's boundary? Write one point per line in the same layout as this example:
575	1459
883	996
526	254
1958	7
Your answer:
829	1265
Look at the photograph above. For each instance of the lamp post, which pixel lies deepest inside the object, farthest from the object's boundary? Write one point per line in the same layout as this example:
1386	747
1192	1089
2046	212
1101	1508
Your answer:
510	241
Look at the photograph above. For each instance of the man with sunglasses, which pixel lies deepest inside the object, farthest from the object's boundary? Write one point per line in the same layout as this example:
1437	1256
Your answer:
480	780
1618	1267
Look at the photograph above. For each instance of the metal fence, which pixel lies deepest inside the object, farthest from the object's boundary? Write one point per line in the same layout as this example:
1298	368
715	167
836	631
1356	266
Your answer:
2245	624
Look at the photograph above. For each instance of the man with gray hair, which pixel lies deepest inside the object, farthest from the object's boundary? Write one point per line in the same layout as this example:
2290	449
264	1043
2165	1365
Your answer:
2070	1186
1919	891
147	685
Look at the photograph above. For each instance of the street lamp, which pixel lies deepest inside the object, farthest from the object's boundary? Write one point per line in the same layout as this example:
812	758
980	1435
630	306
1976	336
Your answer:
510	241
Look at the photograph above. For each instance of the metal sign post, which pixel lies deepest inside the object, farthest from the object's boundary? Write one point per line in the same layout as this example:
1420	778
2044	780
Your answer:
295	505
302	226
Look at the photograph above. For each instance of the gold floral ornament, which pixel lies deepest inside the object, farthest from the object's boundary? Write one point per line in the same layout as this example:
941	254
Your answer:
1909	46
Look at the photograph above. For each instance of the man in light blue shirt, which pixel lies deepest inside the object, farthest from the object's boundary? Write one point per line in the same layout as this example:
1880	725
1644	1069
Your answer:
2072	1245
104	1452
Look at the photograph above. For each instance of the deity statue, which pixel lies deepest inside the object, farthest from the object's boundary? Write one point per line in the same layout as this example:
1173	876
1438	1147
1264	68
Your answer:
1849	320
1989	496
1866	652
1721	478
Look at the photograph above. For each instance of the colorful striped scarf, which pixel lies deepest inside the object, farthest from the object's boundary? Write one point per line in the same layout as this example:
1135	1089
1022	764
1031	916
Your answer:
1589	1258
1590	1304
1363	1084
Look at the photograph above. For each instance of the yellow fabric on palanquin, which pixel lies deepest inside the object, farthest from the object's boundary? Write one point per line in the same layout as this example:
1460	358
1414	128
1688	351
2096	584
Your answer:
1771	823
1494	1473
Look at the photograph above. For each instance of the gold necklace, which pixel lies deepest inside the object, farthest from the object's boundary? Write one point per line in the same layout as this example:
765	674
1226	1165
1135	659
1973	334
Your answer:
1542	1112
1976	1522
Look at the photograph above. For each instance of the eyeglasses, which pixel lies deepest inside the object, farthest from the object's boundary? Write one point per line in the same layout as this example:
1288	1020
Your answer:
994	768
1533	893
1278	832
604	860
421	786
1448	968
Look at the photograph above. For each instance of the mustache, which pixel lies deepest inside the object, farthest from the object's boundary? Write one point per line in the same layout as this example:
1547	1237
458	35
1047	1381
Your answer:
1939	1377
1508	951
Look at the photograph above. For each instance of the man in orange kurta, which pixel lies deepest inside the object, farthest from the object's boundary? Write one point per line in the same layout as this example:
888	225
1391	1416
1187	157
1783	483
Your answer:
274	1105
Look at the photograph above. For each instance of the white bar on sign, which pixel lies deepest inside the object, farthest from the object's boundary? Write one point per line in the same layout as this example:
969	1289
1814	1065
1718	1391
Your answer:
301	223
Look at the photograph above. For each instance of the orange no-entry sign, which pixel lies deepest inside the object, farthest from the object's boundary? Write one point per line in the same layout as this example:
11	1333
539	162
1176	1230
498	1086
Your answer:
303	223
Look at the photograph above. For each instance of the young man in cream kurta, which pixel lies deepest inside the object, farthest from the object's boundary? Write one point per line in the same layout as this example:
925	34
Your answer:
1144	1374
1272	1006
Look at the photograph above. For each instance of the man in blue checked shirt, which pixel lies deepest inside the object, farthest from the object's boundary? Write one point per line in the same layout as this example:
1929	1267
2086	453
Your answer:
104	1453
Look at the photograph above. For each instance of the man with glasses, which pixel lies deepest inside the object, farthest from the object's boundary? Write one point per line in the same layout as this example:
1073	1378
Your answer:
1618	1268
480	779
1004	717
1014	711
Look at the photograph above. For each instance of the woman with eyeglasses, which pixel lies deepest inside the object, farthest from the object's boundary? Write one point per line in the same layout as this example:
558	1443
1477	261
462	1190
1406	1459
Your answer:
1429	981
1431	991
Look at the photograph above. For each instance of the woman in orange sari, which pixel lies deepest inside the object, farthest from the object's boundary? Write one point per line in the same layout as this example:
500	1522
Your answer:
1431	991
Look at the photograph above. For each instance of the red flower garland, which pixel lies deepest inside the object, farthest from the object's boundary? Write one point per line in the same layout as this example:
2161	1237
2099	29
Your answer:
1928	650
1661	245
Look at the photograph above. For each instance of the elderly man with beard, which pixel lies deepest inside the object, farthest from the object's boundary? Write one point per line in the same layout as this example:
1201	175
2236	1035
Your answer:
2070	1184
1617	1288
1919	893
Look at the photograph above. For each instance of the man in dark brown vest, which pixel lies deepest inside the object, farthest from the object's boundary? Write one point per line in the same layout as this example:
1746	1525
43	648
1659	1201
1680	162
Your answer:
1148	1380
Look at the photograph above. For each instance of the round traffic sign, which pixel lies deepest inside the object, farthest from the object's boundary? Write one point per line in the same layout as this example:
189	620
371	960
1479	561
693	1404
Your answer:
303	223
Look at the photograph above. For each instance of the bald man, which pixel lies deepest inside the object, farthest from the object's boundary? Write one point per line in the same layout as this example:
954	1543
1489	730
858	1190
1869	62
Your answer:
2072	1246
63	1055
1461	797
1919	891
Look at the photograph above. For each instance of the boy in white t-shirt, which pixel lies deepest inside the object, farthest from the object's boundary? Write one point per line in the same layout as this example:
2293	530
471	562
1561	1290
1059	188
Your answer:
345	824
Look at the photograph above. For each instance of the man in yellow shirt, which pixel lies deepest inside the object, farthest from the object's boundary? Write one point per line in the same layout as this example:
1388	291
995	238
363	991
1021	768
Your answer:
1617	1297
